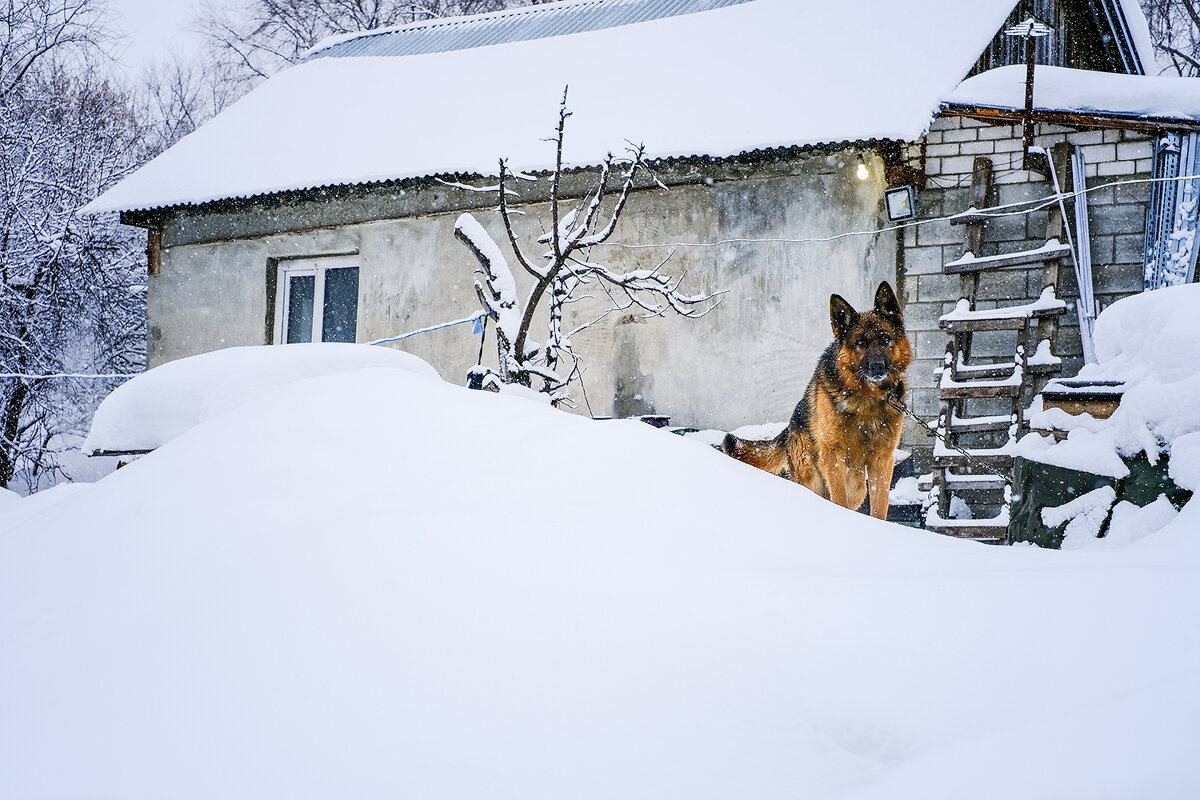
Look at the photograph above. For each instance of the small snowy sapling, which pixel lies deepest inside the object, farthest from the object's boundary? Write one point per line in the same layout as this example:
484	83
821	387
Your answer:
561	274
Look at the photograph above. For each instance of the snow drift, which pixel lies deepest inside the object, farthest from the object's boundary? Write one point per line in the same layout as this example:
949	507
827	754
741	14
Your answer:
375	584
159	404
1144	341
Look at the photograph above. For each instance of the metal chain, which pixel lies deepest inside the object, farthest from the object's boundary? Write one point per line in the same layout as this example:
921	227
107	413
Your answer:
899	405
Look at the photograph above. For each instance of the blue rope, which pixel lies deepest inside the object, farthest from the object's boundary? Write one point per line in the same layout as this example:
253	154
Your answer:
478	315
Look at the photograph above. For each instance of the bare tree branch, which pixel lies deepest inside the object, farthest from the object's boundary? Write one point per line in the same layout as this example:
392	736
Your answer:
566	271
1175	32
30	30
254	39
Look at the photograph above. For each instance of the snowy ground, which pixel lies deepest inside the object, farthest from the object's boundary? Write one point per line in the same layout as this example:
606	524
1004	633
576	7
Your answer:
1144	343
375	584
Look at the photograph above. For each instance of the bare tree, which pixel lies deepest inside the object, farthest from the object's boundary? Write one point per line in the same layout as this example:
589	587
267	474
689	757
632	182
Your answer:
72	289
563	273
254	39
30	30
1175	31
179	95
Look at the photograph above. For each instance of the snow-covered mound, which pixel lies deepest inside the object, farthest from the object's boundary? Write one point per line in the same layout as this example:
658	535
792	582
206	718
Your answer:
158	405
1148	342
372	584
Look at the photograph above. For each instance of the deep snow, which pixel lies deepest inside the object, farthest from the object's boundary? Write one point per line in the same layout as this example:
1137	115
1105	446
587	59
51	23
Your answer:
1146	342
160	404
376	584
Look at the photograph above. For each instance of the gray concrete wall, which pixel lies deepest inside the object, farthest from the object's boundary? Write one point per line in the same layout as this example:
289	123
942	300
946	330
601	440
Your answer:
746	362
1117	216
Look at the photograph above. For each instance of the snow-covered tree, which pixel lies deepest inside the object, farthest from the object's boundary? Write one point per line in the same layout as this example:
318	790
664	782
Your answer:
563	273
1175	30
34	31
72	288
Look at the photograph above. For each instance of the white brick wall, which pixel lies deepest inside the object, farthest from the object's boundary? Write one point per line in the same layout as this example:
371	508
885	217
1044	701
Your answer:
1117	219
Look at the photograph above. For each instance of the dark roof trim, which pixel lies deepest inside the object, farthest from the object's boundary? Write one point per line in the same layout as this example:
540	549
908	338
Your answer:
1079	119
154	218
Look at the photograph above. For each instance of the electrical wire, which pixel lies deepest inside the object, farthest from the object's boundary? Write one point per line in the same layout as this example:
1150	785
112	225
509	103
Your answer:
1023	207
1018	208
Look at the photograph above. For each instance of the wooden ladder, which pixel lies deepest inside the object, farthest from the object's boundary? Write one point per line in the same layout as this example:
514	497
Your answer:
984	398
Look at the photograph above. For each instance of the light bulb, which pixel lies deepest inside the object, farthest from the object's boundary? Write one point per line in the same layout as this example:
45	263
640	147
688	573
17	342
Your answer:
862	172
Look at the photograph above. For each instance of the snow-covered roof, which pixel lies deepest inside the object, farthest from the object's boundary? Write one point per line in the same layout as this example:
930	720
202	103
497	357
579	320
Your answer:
1084	92
700	80
760	74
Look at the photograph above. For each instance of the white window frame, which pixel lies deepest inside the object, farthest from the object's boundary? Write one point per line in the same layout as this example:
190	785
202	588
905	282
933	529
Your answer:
296	267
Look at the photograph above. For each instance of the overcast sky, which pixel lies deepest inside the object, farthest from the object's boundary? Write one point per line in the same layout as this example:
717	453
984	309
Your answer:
154	27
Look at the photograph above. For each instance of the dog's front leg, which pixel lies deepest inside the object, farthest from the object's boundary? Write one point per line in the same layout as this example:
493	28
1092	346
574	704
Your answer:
856	487
879	481
836	473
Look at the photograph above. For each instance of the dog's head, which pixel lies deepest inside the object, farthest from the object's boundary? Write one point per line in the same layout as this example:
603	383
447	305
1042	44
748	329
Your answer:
873	349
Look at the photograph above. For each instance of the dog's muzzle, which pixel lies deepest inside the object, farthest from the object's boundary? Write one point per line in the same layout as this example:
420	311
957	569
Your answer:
877	370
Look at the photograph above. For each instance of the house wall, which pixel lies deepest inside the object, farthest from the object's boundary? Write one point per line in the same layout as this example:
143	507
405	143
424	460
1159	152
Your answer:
748	361
1117	217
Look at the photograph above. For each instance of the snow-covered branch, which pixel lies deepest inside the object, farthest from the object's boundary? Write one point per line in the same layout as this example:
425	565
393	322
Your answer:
562	271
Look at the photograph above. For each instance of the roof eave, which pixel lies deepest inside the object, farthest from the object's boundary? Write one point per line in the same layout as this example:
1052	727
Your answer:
1080	119
152	216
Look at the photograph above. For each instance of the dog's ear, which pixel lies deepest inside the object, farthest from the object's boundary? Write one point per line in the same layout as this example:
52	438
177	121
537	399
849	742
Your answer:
841	315
886	302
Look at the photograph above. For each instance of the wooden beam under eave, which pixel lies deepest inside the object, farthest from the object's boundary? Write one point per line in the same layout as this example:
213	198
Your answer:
154	251
1074	118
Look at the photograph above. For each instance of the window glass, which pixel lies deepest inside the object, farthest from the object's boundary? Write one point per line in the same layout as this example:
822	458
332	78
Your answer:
301	290
339	315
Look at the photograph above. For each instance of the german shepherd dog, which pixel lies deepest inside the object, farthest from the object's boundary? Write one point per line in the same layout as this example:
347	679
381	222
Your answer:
841	437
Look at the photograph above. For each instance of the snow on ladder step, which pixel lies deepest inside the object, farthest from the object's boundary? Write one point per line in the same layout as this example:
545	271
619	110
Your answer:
1002	369
993	457
978	482
975	372
986	424
1043	359
1002	387
1052	250
962	319
956	482
994	529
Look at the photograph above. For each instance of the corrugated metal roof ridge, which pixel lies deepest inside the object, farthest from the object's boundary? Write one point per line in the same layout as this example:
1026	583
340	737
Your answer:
344	40
517	24
521	24
439	25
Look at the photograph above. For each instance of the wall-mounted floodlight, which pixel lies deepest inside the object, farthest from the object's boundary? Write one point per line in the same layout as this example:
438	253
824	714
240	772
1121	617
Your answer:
901	203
